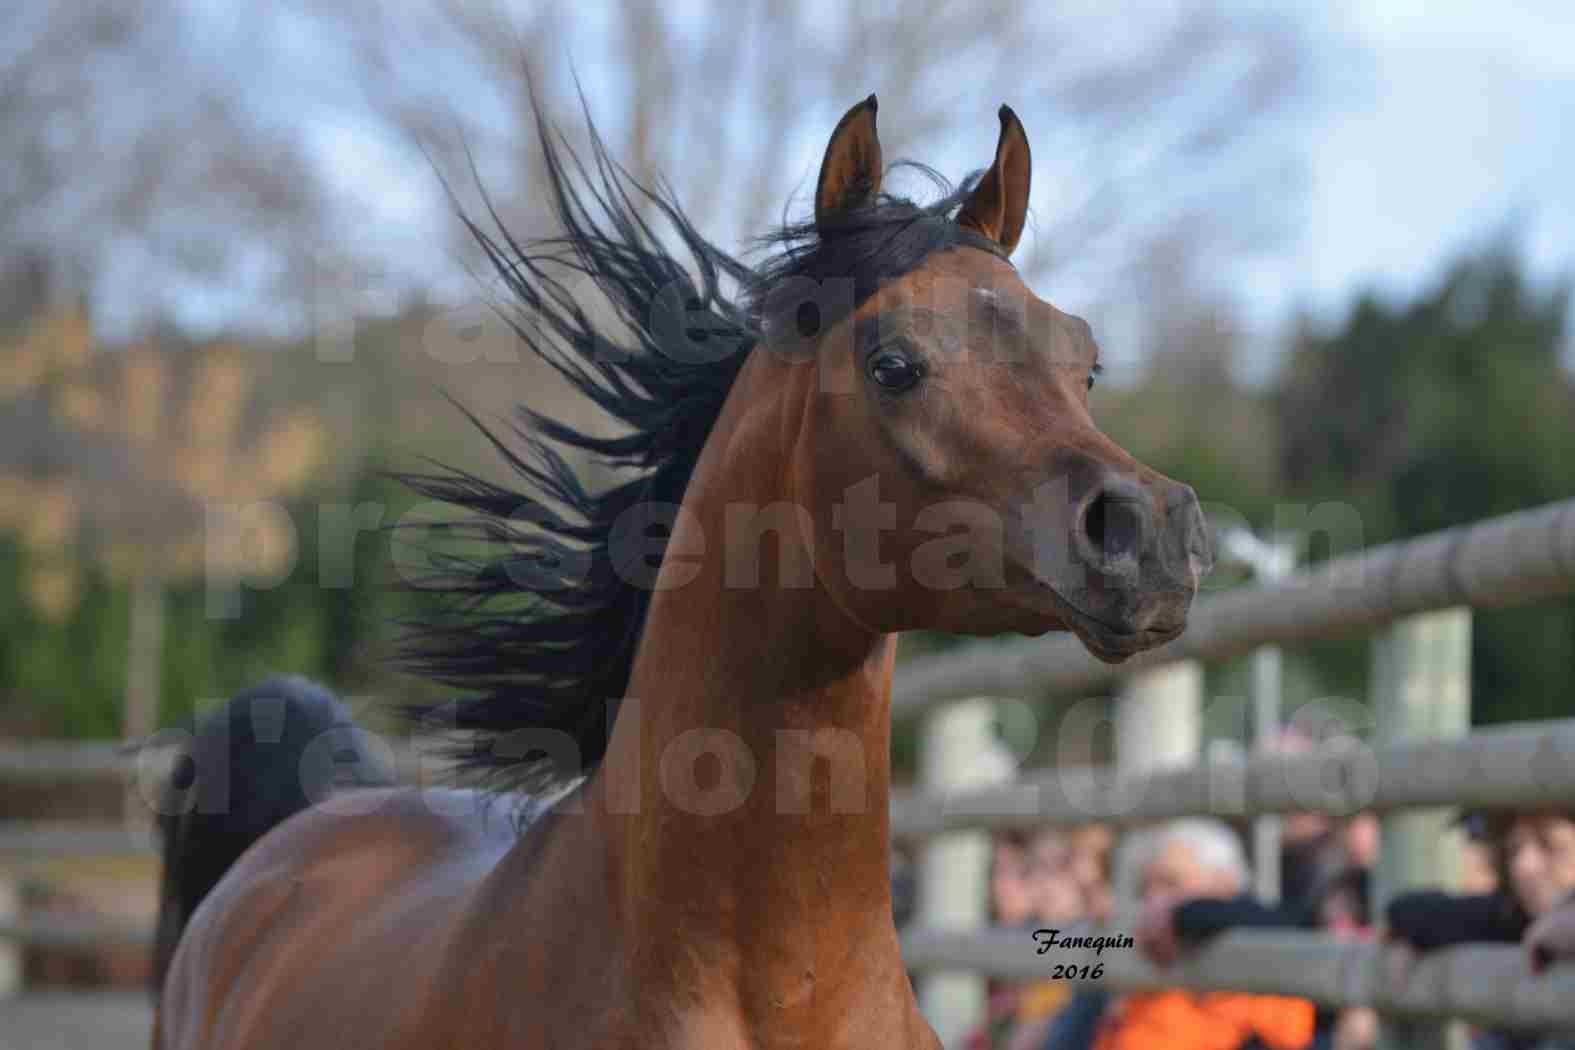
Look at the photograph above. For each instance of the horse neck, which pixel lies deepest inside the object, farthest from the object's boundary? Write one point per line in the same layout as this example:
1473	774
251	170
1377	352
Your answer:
775	865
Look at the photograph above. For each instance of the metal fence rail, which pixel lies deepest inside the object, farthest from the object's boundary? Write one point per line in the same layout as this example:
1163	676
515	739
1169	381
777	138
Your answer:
77	933
1515	559
71	839
1519	766
1527	765
1414	598
1487	985
60	761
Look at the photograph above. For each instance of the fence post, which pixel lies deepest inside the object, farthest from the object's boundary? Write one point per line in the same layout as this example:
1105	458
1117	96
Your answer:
1271	560
958	749
1267	676
10	947
1159	718
1421	687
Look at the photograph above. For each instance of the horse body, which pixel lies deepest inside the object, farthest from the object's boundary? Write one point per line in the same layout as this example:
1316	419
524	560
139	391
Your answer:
721	879
360	928
413	928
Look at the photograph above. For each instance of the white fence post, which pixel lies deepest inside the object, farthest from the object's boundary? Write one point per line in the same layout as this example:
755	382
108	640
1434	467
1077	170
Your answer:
1271	561
958	749
1159	719
1267	675
1421	687
10	947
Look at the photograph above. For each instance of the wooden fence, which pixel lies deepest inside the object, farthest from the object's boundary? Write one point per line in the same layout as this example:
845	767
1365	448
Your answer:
1413	594
1415	597
61	764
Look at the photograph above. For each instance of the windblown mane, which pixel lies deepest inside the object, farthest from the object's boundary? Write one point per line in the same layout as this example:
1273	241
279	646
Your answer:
536	623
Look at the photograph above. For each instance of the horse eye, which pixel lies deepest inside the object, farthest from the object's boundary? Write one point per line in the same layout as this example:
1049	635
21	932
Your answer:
1093	373
893	371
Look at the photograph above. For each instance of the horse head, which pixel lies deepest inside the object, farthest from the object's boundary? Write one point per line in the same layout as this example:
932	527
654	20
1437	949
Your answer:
945	446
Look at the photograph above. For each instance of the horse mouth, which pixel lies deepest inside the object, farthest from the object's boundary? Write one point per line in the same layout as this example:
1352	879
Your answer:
1114	644
1110	642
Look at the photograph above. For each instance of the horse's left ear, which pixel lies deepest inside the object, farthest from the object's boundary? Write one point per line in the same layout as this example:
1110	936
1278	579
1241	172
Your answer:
851	170
999	204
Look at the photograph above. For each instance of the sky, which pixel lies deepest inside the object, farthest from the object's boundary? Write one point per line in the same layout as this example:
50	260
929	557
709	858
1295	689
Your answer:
1435	127
1456	125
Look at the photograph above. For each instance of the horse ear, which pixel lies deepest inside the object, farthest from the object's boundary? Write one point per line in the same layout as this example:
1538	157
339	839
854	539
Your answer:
850	173
999	203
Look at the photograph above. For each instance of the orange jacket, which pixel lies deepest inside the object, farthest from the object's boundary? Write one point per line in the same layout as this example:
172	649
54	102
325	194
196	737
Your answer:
1178	1020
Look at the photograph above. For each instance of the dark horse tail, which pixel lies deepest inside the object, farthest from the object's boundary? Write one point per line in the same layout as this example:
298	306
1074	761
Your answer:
267	754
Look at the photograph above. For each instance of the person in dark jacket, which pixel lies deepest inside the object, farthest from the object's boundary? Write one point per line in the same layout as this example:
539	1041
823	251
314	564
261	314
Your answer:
1535	855
1338	904
1201	862
1551	939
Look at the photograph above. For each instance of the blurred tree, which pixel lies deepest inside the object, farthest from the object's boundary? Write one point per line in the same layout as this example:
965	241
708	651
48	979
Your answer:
137	168
1191	419
1436	413
1163	139
144	164
158	464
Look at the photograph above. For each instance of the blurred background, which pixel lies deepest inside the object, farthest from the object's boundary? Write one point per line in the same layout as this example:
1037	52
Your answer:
1325	249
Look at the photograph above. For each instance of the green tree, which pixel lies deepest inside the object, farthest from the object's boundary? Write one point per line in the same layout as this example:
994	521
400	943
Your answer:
1439	412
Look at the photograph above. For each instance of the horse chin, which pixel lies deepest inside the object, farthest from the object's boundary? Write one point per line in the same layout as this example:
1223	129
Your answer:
1048	611
1116	647
1105	643
1037	625
1042	628
1106	655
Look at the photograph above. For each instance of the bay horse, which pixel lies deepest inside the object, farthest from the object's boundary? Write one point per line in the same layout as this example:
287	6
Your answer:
887	401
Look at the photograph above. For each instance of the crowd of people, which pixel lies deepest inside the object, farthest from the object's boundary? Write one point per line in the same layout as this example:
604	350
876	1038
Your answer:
1186	881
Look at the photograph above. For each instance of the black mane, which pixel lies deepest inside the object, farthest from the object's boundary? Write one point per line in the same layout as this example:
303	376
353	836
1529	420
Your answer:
535	623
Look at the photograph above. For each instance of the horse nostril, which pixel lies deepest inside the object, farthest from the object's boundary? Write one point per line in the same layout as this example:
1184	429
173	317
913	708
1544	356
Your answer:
1113	525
